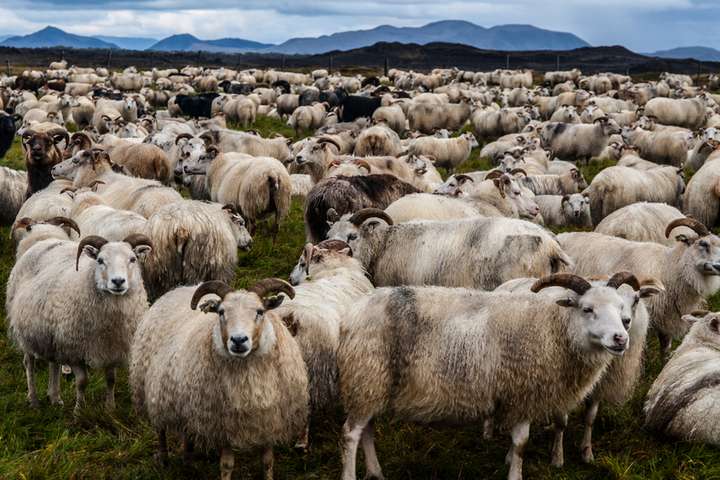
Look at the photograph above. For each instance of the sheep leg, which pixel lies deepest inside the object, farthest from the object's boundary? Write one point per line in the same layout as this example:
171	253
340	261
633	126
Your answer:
520	434
227	463
303	442
351	433
586	445
372	465
188	448
268	460
54	384
29	362
110	388
665	345
162	453
558	455
81	381
488	428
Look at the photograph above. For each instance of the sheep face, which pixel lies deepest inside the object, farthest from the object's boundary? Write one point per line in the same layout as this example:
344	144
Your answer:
576	207
116	266
705	328
360	238
42	148
598	320
69	168
240	231
704	254
189	153
327	255
315	153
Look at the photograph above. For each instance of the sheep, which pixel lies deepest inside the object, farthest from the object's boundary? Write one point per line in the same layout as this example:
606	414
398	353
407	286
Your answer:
700	153
233	141
94	217
616	187
42	152
425	206
578	141
27	232
516	357
689	271
142	160
629	158
689	113
237	358
643	222
489	123
565	210
333	197
92	298
327	280
52	201
13	185
392	116
256	186
567	183
448	153
307	117
619	380
667	147
682	402
702	195
83	111
448	253
194	241
566	114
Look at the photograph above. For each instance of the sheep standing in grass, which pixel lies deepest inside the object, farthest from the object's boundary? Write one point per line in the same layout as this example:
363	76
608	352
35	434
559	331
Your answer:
683	401
449	153
13	185
702	195
435	354
227	375
92	298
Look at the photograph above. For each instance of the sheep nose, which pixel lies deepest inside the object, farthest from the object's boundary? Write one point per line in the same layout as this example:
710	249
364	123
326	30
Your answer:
239	343
186	169
620	339
118	281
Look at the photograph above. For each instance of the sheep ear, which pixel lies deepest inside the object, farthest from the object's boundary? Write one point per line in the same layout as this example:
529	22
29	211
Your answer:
332	216
650	290
91	251
567	302
272	302
684	239
346	251
142	251
370	225
210	306
715	325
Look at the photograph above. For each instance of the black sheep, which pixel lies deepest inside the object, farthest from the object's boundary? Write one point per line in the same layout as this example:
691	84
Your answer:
196	106
7	132
355	106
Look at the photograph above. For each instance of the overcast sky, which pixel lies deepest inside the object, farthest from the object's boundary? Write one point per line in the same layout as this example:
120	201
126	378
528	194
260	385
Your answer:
642	25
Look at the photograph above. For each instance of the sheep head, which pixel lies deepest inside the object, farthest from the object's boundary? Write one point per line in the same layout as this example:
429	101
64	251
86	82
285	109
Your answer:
702	251
243	325
116	269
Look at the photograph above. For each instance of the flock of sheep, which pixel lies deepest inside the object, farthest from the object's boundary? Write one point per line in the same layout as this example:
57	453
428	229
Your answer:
431	299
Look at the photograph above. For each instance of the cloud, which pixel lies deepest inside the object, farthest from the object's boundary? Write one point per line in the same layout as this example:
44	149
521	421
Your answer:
643	25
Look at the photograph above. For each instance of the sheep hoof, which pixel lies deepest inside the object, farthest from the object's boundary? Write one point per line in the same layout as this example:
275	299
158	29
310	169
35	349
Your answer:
57	402
587	455
558	463
33	403
374	476
302	447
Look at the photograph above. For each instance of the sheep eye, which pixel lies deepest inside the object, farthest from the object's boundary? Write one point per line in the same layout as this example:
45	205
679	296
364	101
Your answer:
352	237
703	244
587	309
133	259
626	321
100	261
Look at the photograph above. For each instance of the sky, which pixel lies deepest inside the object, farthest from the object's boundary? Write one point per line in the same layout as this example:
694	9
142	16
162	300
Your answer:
641	25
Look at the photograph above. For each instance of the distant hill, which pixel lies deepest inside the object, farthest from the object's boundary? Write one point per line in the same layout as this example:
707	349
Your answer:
54	37
705	54
186	43
501	37
128	43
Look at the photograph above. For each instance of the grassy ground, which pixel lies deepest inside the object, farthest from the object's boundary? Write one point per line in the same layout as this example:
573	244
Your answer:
50	443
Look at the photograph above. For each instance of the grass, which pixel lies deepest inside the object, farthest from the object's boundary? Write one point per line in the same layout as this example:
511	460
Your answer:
50	443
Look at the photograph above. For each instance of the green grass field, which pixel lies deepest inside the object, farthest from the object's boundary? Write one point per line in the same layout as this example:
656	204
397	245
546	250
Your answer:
50	443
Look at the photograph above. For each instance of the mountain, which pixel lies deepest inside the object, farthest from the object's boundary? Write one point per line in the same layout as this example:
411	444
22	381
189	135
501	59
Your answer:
186	42
501	37
705	54
128	43
54	37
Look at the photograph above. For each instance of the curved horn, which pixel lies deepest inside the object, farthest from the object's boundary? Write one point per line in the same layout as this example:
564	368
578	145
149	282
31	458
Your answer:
68	189
462	178
230	208
207	137
567	280
334	244
689	222
28	133
518	170
363	163
624	277
331	141
64	222
136	239
358	218
493	174
183	135
213	286
62	136
272	285
93	240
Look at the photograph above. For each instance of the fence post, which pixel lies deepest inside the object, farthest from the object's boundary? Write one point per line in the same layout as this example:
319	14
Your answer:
557	63
7	66
330	64
507	62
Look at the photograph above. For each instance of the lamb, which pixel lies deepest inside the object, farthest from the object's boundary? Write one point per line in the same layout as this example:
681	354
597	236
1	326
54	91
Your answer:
448	253
578	141
689	113
378	141
194	241
566	183
448	153
236	357
689	271
643	222
81	319
470	341
619	380
565	210
702	195
335	196
616	187
13	185
682	401
256	186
